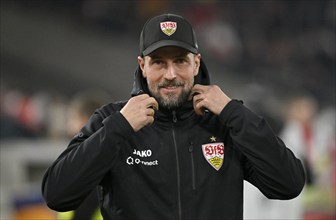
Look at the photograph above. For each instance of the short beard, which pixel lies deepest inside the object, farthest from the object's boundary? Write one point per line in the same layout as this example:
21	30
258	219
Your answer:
170	102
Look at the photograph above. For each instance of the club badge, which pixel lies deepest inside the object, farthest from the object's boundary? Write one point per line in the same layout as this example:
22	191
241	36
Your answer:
214	154
168	27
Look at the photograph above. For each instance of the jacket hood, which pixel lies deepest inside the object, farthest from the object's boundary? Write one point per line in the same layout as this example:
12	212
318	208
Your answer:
140	84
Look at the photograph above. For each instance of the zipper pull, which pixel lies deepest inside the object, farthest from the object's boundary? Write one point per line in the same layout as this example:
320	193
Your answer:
191	147
174	116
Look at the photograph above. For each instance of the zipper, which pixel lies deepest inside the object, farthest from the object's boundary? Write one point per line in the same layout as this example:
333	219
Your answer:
177	168
193	178
174	117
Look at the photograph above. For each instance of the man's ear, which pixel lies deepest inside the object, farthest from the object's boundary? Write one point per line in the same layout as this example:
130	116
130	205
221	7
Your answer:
197	63
141	62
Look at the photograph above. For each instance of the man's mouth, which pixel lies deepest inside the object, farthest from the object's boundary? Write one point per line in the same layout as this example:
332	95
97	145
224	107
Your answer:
169	88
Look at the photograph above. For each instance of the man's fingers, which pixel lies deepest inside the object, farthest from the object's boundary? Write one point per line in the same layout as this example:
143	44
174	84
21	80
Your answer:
149	102
139	111
150	116
150	112
152	103
141	97
197	88
198	109
198	105
150	121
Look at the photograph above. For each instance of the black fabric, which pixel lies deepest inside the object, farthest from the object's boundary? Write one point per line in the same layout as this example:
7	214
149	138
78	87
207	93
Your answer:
87	208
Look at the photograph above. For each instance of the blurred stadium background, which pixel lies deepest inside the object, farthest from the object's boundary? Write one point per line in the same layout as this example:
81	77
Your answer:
267	53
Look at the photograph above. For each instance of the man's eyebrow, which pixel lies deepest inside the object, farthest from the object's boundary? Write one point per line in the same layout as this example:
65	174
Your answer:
182	55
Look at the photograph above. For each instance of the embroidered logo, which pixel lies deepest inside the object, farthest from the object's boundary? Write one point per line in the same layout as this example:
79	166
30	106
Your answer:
214	154
140	158
168	27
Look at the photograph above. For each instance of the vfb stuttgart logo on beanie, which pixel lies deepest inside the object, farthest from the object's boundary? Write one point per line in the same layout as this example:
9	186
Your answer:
168	27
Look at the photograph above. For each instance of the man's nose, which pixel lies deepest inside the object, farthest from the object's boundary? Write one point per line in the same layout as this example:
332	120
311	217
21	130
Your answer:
170	72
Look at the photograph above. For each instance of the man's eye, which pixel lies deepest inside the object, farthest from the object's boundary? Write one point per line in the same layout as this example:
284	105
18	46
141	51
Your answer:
180	61
157	61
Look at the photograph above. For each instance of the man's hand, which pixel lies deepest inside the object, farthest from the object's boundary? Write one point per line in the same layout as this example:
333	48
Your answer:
209	97
139	111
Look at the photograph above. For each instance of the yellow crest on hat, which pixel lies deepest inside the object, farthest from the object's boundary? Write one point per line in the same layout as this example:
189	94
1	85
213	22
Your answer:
168	27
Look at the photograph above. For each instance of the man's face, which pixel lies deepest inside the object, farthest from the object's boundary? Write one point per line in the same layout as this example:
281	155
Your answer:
170	74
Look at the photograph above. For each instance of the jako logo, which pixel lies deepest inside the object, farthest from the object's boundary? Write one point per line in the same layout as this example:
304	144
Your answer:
141	153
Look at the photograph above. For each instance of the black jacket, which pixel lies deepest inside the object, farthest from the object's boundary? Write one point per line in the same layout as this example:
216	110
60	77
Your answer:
183	166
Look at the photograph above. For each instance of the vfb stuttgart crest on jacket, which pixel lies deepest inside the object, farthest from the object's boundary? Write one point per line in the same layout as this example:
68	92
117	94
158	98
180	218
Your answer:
168	27
214	154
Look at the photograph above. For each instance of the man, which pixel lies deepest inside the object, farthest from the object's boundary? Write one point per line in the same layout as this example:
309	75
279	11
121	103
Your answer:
180	148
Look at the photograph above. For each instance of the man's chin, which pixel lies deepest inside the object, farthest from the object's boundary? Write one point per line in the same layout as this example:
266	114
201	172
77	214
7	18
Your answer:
168	102
171	100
